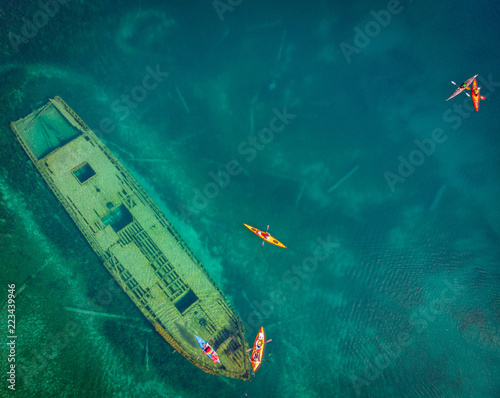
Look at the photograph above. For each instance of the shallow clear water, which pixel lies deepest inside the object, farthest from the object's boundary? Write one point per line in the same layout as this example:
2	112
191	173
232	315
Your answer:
385	194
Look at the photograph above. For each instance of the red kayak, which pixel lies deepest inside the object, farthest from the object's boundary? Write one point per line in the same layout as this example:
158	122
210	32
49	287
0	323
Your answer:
475	95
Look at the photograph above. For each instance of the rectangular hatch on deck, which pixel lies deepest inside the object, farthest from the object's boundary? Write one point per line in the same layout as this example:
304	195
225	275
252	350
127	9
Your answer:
119	218
84	172
188	299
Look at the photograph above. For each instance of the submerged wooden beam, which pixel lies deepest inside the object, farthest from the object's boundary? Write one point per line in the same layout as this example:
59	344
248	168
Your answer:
339	182
103	314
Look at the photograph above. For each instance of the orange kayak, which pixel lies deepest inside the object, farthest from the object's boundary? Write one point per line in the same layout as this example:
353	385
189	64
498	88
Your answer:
258	349
265	235
475	95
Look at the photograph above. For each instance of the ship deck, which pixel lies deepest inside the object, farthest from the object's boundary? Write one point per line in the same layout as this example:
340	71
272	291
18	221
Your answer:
133	238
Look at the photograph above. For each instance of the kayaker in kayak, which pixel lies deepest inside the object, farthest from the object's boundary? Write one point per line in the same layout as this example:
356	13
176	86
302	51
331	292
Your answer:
209	351
258	345
462	87
475	94
257	356
266	236
259	341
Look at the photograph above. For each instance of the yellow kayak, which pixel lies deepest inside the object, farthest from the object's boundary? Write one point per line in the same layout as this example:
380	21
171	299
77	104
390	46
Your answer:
265	235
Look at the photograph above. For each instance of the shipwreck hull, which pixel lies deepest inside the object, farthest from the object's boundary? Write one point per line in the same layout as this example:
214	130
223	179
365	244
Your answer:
135	241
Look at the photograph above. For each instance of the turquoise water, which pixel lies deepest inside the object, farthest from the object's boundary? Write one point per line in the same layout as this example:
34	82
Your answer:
327	122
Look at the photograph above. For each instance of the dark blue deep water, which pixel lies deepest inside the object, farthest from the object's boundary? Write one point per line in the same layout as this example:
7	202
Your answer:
326	120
